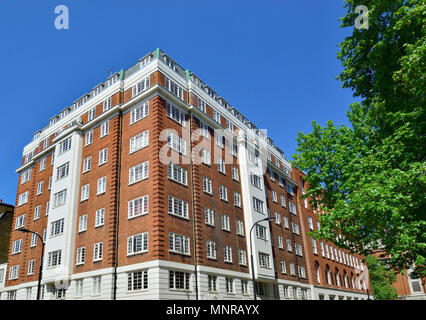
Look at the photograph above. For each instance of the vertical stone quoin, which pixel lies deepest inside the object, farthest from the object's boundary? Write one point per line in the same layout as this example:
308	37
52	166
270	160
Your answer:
111	215
157	110
197	211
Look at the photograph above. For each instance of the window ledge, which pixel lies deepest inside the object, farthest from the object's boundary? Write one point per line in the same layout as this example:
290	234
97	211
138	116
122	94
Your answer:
178	216
180	253
180	290
139	215
136	253
136	291
134	182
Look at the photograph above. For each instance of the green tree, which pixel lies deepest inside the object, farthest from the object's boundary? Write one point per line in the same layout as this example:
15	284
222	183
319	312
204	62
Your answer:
370	178
381	279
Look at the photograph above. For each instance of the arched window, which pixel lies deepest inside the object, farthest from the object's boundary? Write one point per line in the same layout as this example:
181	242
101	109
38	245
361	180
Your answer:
327	274
345	280
336	277
415	284
317	272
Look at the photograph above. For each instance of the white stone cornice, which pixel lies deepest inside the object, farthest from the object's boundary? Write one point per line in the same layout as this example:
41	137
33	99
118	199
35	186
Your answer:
25	166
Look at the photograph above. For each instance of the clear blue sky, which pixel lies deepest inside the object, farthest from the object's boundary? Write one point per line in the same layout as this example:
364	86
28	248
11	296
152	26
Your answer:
275	61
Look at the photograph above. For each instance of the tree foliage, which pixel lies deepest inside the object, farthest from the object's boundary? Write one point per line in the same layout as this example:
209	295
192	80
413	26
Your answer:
370	178
381	279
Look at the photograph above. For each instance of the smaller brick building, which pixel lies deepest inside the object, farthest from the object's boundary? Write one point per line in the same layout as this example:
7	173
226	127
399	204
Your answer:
334	273
6	217
406	287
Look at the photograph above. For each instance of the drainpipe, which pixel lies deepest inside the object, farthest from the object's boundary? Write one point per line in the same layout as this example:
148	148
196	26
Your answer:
117	216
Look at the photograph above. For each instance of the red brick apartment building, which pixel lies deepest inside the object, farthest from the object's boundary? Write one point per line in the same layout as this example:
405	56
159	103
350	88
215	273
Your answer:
333	272
147	187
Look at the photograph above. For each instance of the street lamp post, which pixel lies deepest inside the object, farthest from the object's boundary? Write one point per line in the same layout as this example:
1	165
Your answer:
251	254
41	260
